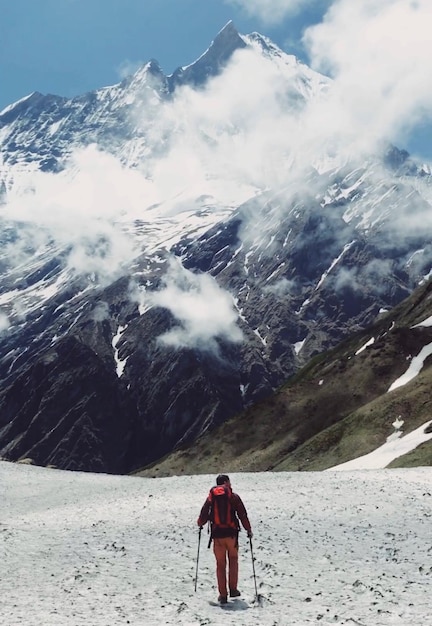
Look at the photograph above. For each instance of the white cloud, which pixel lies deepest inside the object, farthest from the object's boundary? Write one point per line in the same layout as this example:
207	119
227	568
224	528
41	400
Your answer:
232	137
101	311
82	209
272	11
4	322
377	53
281	288
357	278
127	68
250	128
204	310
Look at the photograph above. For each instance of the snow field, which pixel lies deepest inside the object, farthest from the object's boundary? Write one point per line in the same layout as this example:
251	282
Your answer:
341	548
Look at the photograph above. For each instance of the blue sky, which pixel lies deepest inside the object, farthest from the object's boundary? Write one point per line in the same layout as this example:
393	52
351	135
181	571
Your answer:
69	47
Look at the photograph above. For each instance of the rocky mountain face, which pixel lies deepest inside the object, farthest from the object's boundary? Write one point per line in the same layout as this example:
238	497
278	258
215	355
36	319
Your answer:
371	389
139	314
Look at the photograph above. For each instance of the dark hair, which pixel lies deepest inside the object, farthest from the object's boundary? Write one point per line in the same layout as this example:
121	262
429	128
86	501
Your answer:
222	478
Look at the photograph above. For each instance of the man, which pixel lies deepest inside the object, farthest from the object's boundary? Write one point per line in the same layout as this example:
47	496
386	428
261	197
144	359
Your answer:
223	509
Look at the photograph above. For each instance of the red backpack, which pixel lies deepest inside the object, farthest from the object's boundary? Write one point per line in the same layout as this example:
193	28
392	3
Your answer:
222	513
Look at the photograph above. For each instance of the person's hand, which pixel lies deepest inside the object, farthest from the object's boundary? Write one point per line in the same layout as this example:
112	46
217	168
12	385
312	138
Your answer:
250	534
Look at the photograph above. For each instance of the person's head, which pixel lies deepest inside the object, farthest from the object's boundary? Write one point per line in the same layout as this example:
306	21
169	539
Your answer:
222	479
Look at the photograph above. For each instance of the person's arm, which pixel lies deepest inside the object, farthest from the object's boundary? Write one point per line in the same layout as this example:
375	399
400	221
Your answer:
204	515
242	514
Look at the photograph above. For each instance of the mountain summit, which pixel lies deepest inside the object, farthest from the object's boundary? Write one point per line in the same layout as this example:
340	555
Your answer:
212	61
171	256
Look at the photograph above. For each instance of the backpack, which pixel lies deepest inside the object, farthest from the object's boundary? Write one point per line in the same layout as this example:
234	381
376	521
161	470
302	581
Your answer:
222	514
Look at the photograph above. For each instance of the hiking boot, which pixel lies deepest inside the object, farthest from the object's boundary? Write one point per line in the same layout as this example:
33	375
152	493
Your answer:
222	599
234	593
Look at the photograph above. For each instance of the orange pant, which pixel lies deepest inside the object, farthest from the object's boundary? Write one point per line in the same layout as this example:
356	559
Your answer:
222	548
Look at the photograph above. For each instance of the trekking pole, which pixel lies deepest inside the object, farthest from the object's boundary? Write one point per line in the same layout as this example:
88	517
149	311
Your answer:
196	571
253	569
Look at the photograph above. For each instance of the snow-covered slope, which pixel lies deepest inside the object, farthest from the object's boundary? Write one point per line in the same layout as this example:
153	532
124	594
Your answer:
330	548
174	247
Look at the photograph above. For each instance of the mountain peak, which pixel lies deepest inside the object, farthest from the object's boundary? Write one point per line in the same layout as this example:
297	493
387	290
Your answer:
229	30
153	67
226	42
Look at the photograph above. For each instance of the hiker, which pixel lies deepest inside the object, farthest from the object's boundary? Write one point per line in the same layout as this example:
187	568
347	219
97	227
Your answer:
223	509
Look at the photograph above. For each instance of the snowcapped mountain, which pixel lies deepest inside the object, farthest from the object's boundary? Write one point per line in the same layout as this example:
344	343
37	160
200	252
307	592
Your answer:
175	247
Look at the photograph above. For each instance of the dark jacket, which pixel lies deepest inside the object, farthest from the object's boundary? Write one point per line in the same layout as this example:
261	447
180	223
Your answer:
239	511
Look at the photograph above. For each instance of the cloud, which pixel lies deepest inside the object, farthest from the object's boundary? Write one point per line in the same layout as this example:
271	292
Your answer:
281	288
230	138
205	311
4	322
260	124
376	54
264	121
270	123
126	68
81	211
101	312
273	11
359	278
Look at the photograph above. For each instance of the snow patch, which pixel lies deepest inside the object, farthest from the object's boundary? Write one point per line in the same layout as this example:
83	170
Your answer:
392	449
368	343
414	369
120	363
425	323
299	345
334	263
